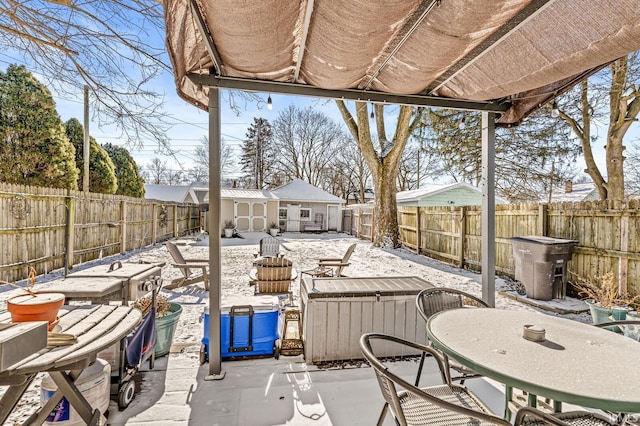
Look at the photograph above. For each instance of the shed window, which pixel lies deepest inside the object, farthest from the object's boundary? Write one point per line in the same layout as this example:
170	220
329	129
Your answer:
305	214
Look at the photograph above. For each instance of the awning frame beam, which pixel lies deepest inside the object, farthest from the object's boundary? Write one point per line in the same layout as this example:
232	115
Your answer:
235	83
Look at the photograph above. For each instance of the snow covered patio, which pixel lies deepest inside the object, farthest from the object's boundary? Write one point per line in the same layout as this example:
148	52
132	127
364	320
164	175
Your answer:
268	391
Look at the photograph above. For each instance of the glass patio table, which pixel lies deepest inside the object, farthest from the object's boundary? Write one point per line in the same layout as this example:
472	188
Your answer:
577	363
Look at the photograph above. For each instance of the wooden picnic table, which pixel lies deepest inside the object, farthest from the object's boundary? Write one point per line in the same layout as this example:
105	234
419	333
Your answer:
96	327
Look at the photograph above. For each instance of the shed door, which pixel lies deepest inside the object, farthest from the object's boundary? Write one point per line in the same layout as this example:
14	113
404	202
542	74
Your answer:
259	216
241	212
333	218
293	217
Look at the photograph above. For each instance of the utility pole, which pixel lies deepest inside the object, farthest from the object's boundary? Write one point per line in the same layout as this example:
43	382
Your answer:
85	176
258	154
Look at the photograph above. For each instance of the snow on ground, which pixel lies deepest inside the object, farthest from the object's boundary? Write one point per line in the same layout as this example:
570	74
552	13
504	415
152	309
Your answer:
237	257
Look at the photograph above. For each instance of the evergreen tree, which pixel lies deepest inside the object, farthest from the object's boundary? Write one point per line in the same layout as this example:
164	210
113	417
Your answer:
127	172
34	149
102	176
257	153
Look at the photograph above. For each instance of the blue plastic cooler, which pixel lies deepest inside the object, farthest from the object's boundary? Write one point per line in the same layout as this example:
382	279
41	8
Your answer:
246	330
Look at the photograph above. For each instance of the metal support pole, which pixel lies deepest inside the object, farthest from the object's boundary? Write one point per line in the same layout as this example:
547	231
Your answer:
215	132
488	246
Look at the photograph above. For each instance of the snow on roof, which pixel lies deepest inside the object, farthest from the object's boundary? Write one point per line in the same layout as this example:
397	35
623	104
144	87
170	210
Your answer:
579	192
254	194
175	193
299	190
432	189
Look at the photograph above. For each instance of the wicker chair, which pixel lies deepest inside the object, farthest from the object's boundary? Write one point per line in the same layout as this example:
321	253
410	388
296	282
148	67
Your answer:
448	403
433	300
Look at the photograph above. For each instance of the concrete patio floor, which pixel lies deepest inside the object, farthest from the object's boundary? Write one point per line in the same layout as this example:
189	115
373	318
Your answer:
267	391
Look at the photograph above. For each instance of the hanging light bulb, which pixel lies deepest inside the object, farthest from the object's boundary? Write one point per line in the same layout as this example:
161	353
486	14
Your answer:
461	125
269	103
555	112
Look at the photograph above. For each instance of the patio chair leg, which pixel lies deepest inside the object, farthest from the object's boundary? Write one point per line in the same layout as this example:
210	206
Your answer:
383	414
424	354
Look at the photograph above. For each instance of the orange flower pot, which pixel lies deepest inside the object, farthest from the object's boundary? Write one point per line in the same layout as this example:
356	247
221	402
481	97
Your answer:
41	307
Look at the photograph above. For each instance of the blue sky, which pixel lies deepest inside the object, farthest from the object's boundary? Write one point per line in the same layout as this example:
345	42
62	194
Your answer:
189	124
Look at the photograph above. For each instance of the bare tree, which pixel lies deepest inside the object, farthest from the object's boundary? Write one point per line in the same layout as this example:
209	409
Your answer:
632	172
585	106
114	47
156	172
353	172
306	141
383	161
200	172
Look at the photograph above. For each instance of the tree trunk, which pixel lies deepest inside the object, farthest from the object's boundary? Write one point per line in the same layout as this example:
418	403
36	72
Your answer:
386	232
383	164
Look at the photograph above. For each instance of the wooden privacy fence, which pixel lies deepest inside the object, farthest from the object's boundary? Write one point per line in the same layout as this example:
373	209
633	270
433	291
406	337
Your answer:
361	222
608	234
44	227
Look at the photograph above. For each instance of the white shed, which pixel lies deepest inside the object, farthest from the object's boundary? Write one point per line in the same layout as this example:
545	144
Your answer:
304	207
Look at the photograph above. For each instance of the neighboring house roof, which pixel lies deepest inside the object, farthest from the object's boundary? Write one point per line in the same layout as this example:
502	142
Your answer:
299	190
252	194
578	192
174	193
432	190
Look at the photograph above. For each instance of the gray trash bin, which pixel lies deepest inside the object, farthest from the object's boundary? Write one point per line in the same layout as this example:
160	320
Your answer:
541	265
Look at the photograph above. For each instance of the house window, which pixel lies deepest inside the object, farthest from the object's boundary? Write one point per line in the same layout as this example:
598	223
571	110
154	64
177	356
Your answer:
282	213
305	214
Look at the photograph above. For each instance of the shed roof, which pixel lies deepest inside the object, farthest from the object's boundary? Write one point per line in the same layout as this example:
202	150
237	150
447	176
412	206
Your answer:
174	193
506	56
249	194
299	190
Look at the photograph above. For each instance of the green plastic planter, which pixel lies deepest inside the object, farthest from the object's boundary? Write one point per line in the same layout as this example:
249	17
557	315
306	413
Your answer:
166	328
600	314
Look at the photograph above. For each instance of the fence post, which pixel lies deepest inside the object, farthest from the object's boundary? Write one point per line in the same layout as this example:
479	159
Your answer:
175	221
154	223
623	262
461	235
373	222
70	203
418	237
123	227
543	219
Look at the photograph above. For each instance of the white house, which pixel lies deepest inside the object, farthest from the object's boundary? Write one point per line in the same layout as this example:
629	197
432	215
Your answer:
303	206
455	194
194	193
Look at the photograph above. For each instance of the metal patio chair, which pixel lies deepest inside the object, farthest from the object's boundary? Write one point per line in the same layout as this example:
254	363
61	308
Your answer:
433	300
448	403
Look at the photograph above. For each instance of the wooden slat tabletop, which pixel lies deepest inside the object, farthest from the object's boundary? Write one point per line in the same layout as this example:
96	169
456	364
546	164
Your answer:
96	327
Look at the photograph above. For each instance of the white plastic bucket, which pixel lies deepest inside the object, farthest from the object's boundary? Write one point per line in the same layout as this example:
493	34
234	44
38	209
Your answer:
94	383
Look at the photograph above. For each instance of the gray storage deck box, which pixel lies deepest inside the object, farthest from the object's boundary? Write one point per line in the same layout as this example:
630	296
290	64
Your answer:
337	311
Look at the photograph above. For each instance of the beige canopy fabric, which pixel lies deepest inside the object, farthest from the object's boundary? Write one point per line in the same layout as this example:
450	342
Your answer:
524	52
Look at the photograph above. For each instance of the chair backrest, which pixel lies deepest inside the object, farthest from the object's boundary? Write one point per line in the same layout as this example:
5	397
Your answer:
274	269
319	219
390	383
433	300
269	246
348	253
174	251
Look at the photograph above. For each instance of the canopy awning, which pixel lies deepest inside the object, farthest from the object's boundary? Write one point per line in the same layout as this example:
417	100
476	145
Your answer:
507	56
